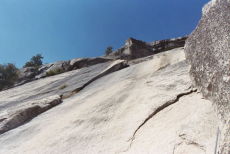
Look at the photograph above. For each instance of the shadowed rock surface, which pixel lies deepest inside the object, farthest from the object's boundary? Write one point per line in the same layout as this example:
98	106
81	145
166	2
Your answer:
208	52
86	62
149	107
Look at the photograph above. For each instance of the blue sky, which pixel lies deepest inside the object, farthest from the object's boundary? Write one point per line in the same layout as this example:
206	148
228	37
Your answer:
66	29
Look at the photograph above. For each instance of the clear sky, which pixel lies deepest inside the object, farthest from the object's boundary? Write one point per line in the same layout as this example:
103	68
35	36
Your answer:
66	29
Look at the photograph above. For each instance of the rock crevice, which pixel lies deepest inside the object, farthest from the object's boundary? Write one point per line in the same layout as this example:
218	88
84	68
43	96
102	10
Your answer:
157	110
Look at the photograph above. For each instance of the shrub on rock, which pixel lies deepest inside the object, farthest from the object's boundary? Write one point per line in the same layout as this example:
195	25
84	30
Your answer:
108	50
8	75
35	61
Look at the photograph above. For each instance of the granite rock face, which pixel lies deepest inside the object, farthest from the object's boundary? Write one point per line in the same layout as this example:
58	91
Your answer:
150	107
208	52
62	84
22	103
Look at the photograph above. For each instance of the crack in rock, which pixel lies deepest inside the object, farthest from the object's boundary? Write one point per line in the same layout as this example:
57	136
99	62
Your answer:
159	109
187	141
201	147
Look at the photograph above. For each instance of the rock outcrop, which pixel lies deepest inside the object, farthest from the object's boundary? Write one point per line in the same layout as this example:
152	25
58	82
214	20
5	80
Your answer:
134	49
86	62
208	52
150	107
164	45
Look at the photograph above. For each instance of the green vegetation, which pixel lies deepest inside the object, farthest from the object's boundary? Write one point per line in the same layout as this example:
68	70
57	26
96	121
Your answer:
8	75
54	72
35	61
108	50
